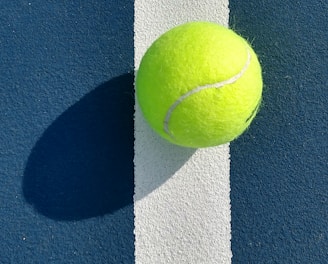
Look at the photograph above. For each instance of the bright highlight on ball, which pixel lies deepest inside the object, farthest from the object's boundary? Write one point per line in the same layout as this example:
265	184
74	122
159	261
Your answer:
199	85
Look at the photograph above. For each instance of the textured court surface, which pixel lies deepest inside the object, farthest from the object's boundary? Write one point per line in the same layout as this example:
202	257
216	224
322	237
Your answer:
279	168
66	134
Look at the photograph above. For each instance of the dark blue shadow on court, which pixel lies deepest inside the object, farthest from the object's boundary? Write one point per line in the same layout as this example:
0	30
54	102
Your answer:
82	166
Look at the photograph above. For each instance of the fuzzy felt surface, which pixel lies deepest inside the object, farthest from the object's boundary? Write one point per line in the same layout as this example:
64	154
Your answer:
187	57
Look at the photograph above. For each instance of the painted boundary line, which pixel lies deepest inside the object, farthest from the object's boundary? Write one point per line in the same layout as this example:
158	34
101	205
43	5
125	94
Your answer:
182	196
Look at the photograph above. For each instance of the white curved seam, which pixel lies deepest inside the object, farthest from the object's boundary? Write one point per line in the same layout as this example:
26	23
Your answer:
201	88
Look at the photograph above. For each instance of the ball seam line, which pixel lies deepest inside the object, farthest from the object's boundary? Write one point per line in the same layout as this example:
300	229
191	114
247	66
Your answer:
218	85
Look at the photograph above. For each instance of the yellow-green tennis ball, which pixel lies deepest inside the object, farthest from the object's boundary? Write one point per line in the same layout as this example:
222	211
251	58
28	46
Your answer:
199	85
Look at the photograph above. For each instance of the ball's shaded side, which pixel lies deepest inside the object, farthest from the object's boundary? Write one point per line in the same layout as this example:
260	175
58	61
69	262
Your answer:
199	85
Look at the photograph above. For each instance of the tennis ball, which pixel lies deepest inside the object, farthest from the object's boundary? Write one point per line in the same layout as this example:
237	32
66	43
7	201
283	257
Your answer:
199	85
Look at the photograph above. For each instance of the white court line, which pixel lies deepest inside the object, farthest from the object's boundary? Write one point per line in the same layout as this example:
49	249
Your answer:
182	196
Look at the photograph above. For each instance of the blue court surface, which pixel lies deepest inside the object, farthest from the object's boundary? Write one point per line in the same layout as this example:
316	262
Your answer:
67	134
279	168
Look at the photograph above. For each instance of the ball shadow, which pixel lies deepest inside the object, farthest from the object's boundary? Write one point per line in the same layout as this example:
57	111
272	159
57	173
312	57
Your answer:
82	166
156	160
